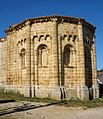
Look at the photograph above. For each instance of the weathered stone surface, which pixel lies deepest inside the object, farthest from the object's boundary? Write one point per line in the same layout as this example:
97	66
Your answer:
51	57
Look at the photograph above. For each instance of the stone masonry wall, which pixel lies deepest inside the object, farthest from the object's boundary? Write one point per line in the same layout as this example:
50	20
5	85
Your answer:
50	57
3	46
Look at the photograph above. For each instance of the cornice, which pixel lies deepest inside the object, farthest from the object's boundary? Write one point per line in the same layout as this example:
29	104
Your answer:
60	19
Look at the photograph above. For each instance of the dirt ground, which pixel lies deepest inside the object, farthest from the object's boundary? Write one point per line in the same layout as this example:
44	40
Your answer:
52	112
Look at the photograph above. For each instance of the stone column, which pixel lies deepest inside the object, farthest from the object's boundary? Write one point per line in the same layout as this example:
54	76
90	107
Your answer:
32	68
28	59
55	52
94	71
60	60
8	62
35	72
61	68
55	62
83	90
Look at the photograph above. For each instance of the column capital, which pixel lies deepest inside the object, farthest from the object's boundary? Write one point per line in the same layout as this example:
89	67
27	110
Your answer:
27	23
55	19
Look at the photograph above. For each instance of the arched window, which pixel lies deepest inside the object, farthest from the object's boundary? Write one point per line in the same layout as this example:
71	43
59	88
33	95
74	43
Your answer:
22	54
67	55
42	55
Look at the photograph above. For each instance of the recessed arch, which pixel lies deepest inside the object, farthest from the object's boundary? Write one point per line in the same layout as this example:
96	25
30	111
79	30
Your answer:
70	38
67	54
47	37
74	38
23	57
42	52
18	43
22	42
35	37
65	37
41	37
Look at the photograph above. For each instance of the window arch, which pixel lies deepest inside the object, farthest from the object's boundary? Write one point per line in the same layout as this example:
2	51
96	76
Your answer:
42	55
67	55
22	54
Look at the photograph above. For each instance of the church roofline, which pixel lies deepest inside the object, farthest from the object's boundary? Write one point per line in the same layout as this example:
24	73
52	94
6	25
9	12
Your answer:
2	39
50	18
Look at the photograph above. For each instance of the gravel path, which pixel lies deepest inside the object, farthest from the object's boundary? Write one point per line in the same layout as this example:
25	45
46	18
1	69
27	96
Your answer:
56	112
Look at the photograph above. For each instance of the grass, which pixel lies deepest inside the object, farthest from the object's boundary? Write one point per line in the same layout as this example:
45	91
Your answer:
19	97
85	104
68	103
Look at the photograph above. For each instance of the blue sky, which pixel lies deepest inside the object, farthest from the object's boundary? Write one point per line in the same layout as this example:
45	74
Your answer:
14	11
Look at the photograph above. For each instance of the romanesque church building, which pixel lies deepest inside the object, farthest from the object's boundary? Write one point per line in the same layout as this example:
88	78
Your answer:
50	57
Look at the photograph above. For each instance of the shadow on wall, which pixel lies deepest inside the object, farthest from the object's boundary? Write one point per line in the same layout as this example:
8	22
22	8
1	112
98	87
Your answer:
88	71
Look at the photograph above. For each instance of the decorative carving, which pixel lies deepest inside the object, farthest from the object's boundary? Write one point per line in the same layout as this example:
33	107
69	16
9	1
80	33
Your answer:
42	38
74	38
24	40
35	38
21	42
70	38
47	37
65	37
